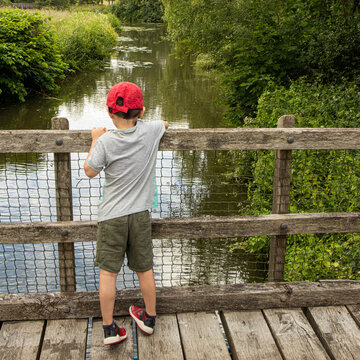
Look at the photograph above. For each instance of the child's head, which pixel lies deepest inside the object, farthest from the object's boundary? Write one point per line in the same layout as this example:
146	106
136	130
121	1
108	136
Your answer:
125	100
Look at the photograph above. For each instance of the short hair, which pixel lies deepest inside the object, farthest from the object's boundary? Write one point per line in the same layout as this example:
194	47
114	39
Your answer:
131	114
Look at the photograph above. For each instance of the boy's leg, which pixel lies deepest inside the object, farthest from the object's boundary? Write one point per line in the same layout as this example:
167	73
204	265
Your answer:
107	292
140	257
147	287
145	318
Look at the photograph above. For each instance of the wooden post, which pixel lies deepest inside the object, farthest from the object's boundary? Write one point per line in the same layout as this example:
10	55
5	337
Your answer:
281	201
64	209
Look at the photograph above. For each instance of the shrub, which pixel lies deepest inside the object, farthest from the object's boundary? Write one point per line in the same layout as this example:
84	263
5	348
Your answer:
114	22
29	56
84	38
148	11
321	181
57	4
5	3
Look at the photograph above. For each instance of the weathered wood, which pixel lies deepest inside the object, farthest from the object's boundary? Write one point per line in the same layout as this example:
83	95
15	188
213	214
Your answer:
65	339
164	343
121	351
337	331
183	299
201	336
249	336
20	340
355	312
294	335
190	228
64	211
281	203
44	141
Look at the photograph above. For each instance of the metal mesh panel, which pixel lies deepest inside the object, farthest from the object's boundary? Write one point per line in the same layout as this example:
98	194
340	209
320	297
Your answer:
190	183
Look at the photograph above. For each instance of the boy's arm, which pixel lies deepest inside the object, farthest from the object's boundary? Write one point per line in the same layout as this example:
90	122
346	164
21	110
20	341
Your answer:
95	134
166	124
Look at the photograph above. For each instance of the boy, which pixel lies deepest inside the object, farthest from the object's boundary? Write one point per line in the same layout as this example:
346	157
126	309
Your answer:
128	156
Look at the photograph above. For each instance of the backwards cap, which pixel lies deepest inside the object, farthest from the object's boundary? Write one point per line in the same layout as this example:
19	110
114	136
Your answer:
124	96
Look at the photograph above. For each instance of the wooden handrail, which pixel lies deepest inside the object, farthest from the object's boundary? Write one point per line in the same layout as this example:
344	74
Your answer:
189	228
55	141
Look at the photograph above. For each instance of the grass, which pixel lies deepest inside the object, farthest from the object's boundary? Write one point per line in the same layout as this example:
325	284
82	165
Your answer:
84	37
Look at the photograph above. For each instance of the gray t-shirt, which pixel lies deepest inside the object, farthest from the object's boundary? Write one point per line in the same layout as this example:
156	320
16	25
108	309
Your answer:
128	157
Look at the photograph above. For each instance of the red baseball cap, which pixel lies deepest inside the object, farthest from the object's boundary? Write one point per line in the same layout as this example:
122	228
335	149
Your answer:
124	96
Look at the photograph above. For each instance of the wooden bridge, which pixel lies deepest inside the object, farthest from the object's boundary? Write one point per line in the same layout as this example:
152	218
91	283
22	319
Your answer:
255	321
274	320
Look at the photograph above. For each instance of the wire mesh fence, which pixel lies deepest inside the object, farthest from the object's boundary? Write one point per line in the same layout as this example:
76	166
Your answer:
190	183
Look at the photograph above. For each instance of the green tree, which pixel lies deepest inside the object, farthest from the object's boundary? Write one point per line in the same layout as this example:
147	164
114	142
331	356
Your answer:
148	11
253	43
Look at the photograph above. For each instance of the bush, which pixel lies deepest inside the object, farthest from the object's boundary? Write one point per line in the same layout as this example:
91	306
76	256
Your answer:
114	22
57	4
321	181
29	57
84	38
148	11
5	3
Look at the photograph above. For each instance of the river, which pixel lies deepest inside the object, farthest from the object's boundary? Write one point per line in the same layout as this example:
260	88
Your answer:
190	183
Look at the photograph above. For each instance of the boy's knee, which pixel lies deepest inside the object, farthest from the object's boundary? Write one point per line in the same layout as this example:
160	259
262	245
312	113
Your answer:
107	273
146	272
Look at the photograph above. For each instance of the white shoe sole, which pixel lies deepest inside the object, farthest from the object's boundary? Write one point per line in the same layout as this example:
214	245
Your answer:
146	329
114	339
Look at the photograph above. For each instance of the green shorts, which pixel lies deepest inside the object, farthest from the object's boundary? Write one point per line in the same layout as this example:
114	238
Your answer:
130	234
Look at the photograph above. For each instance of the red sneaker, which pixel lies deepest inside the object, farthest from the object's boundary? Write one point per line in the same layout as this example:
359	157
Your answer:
146	324
114	335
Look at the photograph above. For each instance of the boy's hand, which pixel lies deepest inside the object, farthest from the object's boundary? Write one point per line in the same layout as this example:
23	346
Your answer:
97	132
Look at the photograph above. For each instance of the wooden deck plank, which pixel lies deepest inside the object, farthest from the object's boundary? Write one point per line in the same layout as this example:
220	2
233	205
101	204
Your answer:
294	335
20	340
337	330
202	337
65	339
121	351
355	311
164	343
249	336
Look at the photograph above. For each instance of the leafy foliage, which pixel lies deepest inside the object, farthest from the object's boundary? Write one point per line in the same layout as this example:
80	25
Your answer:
57	4
114	22
257	42
29	57
148	11
281	57
321	181
5	3
84	38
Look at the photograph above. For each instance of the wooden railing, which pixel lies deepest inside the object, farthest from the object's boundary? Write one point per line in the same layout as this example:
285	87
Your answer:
283	139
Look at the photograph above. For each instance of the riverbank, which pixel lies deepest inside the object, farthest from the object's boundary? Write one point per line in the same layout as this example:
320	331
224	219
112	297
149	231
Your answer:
41	47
